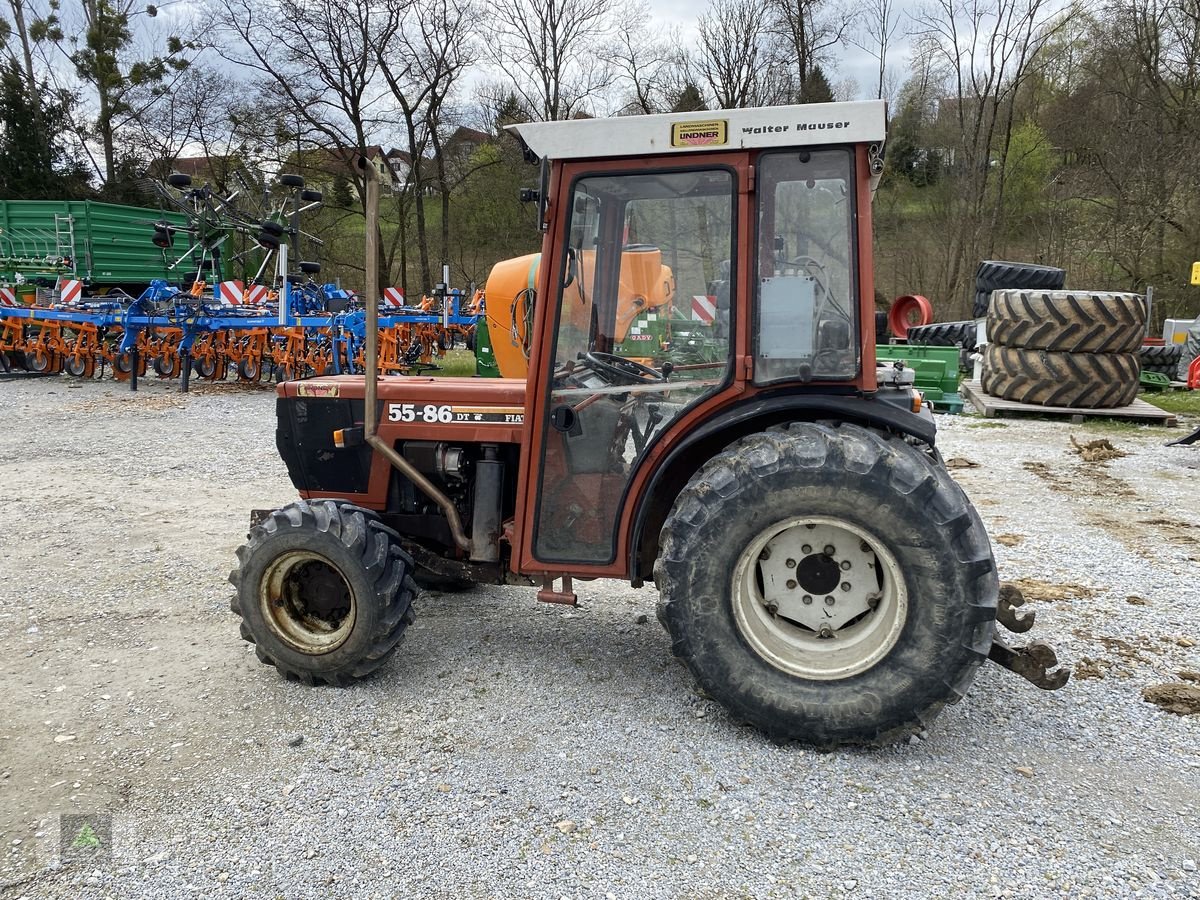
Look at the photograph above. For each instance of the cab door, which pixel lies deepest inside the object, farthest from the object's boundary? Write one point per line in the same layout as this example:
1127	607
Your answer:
636	327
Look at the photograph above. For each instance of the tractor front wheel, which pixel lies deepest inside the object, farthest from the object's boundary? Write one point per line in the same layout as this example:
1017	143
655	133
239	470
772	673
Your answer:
827	584
324	591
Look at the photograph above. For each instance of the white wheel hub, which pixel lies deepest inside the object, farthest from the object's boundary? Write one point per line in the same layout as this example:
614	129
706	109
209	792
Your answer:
819	597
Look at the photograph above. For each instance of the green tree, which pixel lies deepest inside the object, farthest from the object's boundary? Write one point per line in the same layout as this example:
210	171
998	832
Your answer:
689	99
125	84
816	87
33	165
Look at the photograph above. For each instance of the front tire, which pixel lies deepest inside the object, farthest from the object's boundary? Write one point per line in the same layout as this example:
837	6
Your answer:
911	577
324	591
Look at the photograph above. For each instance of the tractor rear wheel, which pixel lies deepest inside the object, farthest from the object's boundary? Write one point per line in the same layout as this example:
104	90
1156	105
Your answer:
828	584
324	591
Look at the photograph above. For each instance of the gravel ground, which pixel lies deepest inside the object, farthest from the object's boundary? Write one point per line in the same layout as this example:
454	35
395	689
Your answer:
518	750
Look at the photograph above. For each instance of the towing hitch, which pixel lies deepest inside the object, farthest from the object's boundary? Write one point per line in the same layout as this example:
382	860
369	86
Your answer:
1034	662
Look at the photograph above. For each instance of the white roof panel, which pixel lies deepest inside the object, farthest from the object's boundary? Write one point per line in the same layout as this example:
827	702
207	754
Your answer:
723	129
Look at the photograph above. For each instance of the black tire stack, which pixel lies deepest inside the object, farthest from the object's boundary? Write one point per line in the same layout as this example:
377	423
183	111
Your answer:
944	334
1064	348
1161	358
995	275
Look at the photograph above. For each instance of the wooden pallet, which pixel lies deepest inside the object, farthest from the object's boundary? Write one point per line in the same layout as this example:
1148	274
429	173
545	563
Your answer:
991	407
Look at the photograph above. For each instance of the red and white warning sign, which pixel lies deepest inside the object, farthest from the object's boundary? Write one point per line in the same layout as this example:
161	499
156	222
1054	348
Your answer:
8	296
229	293
393	296
257	295
71	291
704	308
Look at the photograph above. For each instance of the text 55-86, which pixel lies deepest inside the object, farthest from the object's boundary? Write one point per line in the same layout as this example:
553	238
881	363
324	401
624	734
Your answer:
429	413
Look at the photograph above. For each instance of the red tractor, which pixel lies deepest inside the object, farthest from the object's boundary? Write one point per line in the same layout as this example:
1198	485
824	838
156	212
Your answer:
819	572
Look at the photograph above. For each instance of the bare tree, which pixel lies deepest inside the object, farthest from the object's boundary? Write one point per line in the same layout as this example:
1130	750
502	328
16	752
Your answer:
804	31
880	24
434	47
648	61
982	52
734	57
554	51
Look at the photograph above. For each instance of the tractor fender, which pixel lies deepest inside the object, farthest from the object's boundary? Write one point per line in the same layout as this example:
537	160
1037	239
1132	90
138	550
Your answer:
736	421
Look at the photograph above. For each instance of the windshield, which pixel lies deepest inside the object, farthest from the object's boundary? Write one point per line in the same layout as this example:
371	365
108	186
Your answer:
806	292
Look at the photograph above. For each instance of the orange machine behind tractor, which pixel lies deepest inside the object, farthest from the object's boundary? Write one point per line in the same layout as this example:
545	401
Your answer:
820	573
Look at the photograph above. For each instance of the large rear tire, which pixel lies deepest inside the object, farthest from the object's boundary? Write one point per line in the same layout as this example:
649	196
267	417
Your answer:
1072	380
324	591
995	275
895	564
1067	321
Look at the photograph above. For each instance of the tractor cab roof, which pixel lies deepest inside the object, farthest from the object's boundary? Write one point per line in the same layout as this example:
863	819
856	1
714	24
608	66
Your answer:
723	129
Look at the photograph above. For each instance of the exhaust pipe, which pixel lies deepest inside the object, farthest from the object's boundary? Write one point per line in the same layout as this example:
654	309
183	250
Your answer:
371	412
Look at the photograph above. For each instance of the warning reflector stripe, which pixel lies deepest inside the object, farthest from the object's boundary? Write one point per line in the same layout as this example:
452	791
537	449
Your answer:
393	296
229	293
8	296
704	308
71	291
257	294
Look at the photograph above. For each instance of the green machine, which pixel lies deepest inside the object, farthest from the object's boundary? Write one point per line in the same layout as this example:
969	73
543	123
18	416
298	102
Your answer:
936	371
101	244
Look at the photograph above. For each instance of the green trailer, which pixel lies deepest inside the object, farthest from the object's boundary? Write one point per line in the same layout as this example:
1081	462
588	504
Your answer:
101	244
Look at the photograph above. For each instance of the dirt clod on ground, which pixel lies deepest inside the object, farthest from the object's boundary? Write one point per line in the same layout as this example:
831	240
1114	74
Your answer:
1135	600
1090	667
1036	589
1009	540
1099	450
1181	699
961	462
1188	675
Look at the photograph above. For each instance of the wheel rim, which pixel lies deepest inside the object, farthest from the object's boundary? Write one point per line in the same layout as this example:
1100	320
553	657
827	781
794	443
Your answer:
307	602
857	601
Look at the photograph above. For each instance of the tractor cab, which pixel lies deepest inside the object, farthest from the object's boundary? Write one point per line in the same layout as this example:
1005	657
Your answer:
688	395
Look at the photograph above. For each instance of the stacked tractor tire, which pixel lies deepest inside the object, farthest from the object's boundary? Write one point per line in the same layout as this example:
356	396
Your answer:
1075	349
1160	358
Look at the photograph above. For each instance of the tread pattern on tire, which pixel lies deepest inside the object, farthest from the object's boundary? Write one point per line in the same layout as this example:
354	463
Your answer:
844	451
1160	354
390	568
1067	321
944	334
1072	380
996	275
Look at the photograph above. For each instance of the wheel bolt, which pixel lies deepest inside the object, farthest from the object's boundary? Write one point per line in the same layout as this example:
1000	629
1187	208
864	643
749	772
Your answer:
807	548
845	585
791	564
873	601
830	550
766	553
864	547
829	601
806	599
825	632
791	584
845	565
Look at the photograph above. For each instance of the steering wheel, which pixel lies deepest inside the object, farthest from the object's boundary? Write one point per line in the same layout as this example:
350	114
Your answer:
619	370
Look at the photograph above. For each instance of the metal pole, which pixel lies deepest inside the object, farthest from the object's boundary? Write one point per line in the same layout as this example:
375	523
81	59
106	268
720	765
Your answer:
1149	305
285	291
370	402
